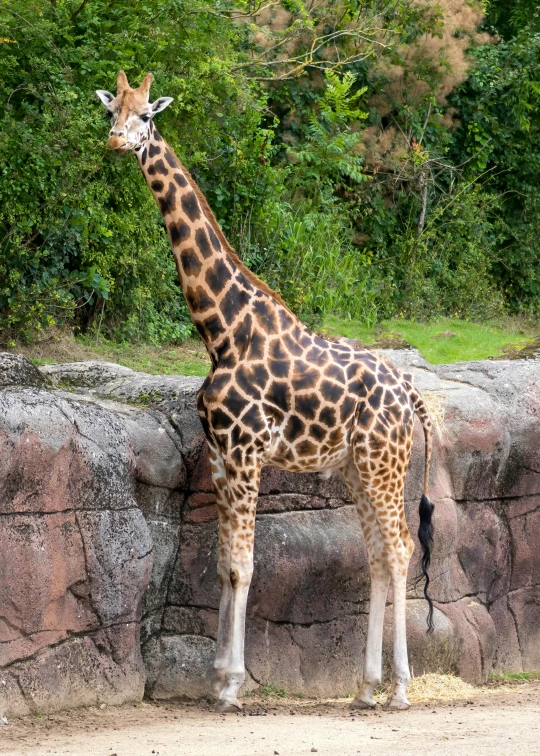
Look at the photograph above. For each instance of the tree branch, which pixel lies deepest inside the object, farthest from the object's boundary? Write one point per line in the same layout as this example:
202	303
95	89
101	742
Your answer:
78	10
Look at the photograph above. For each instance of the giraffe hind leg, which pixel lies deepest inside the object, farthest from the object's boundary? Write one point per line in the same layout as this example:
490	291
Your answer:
397	700
381	470
380	579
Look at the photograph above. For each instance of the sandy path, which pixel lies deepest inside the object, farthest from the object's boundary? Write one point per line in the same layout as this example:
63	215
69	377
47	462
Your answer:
500	724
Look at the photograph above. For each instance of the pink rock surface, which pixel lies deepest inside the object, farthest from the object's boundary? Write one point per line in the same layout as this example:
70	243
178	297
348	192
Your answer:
75	554
108	537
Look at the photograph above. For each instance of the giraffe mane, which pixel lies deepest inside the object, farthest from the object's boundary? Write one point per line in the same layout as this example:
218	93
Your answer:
251	277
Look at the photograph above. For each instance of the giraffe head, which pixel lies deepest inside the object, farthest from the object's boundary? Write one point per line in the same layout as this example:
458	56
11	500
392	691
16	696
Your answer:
130	112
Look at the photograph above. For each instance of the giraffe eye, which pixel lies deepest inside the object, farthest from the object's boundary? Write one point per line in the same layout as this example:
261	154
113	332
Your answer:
108	114
145	118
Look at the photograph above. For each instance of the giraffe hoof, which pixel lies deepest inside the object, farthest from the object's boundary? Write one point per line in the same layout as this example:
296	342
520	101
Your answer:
359	704
227	707
395	704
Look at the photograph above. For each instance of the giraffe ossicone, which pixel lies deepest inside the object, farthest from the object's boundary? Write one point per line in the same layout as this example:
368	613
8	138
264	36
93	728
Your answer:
278	394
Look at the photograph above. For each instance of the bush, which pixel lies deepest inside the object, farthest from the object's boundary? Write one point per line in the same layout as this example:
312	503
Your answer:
448	268
81	238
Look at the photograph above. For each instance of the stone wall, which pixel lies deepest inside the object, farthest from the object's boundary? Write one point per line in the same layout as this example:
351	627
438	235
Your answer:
108	538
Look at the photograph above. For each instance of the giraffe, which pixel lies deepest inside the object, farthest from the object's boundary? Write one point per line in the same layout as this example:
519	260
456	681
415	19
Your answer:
278	394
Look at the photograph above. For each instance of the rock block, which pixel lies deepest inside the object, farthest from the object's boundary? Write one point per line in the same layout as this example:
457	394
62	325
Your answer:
178	666
75	554
16	370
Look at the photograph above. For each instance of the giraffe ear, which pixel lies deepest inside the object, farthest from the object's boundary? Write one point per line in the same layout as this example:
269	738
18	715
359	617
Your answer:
105	97
160	104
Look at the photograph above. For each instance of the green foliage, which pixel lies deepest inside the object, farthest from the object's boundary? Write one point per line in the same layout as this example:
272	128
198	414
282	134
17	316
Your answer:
510	19
447	269
312	260
327	151
317	269
275	117
81	238
500	133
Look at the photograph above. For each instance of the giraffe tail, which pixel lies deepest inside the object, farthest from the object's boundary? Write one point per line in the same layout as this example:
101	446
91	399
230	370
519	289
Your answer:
425	510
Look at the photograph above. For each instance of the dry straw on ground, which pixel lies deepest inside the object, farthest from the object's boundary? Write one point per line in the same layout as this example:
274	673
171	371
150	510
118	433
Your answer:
432	687
438	687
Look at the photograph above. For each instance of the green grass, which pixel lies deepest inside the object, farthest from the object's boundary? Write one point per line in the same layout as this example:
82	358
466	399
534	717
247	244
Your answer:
271	691
188	359
442	341
514	676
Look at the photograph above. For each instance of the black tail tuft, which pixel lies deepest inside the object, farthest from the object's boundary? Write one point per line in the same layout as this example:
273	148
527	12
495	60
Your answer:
425	536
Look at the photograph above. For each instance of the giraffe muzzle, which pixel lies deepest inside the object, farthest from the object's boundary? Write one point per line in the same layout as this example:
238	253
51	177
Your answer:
118	144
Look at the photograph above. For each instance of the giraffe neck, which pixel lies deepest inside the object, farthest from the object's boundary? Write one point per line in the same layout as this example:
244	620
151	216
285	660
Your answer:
218	288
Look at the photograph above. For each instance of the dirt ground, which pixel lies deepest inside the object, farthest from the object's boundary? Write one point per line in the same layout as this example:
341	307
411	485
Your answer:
501	723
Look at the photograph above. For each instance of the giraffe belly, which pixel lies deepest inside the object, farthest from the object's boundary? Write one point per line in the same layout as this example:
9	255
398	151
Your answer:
328	465
307	454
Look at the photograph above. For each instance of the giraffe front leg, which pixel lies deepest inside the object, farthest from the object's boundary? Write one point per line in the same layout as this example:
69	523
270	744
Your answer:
243	502
221	660
233	675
